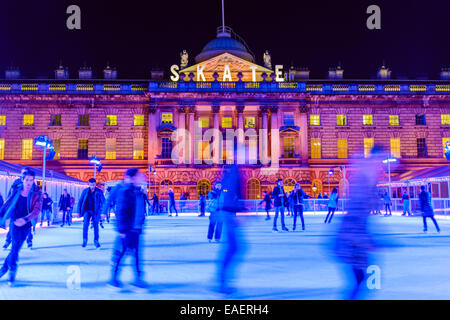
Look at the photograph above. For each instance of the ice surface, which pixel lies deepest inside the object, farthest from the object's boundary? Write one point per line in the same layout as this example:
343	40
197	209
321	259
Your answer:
179	263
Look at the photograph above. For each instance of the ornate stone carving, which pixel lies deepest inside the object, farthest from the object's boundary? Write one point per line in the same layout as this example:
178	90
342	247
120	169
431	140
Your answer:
273	109
240	108
215	108
151	108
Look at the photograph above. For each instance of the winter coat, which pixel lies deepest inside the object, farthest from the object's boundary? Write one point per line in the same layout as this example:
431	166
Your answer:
130	207
110	202
47	203
64	202
278	201
333	200
99	199
267	201
425	204
299	196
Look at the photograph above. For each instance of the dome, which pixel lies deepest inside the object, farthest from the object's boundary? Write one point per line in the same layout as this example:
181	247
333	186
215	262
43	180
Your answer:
224	43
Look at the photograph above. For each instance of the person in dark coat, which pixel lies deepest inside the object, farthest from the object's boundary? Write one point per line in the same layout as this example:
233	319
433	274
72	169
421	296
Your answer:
268	204
172	205
130	218
216	216
427	209
46	208
298	195
111	201
202	202
155	204
90	205
406	204
16	184
64	206
332	205
387	204
279	196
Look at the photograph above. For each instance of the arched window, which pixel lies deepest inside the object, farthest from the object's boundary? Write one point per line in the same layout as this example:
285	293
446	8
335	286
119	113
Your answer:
165	186
288	184
203	187
253	189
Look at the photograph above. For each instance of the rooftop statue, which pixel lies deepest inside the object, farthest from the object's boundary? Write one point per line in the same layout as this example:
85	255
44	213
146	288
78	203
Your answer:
267	60
184	59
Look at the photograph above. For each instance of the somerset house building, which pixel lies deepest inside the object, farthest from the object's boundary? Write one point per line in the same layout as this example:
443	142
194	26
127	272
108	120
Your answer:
223	106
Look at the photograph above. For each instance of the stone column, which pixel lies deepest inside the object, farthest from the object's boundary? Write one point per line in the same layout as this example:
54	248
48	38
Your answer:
192	132
241	143
216	145
302	143
153	143
182	136
264	137
275	136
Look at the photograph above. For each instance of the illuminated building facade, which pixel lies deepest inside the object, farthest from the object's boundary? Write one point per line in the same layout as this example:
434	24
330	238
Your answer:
293	127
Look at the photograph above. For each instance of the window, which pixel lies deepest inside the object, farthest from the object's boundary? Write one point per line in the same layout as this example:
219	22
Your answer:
139	120
28	119
138	149
395	147
203	150
166	148
288	147
82	149
422	151
444	142
342	148
288	119
83	120
393	120
203	187
167	118
420	120
249	123
314	119
3	120
2	149
203	122
445	119
111	120
55	120
341	119
111	148
227	122
368	145
57	149
315	149
253	189
27	149
368	119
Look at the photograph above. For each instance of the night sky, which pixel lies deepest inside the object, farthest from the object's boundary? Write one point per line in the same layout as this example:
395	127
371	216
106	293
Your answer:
136	35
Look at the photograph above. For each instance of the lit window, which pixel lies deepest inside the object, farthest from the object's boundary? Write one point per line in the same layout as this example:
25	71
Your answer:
139	120
395	147
227	122
367	119
444	142
288	147
27	149
83	148
2	149
315	149
111	120
393	120
28	119
341	119
314	119
203	150
138	149
249	122
111	148
288	119
368	145
167	118
83	120
2	120
55	120
203	122
342	148
445	118
57	149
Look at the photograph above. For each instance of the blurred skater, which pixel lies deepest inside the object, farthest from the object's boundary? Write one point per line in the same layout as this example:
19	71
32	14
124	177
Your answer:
46	209
64	206
172	205
155	204
268	204
298	196
202	205
332	205
216	216
427	209
387	204
130	218
279	196
406	204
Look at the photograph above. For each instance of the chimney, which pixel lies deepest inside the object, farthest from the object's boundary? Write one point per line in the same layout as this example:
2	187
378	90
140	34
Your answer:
110	73
336	73
157	74
12	73
62	72
445	74
298	74
85	73
384	72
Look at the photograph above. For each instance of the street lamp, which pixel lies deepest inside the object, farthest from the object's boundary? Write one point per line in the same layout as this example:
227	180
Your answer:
388	161
330	172
46	143
154	173
96	162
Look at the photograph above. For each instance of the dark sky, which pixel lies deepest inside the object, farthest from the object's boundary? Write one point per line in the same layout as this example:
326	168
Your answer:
136	35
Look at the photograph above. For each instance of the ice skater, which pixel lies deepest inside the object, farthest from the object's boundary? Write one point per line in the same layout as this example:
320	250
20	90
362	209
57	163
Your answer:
216	216
267	204
387	204
155	204
64	206
427	209
89	206
172	205
279	196
406	204
130	218
46	209
202	205
297	197
332	205
22	206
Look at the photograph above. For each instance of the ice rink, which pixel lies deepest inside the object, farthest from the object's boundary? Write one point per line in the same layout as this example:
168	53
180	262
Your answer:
179	263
